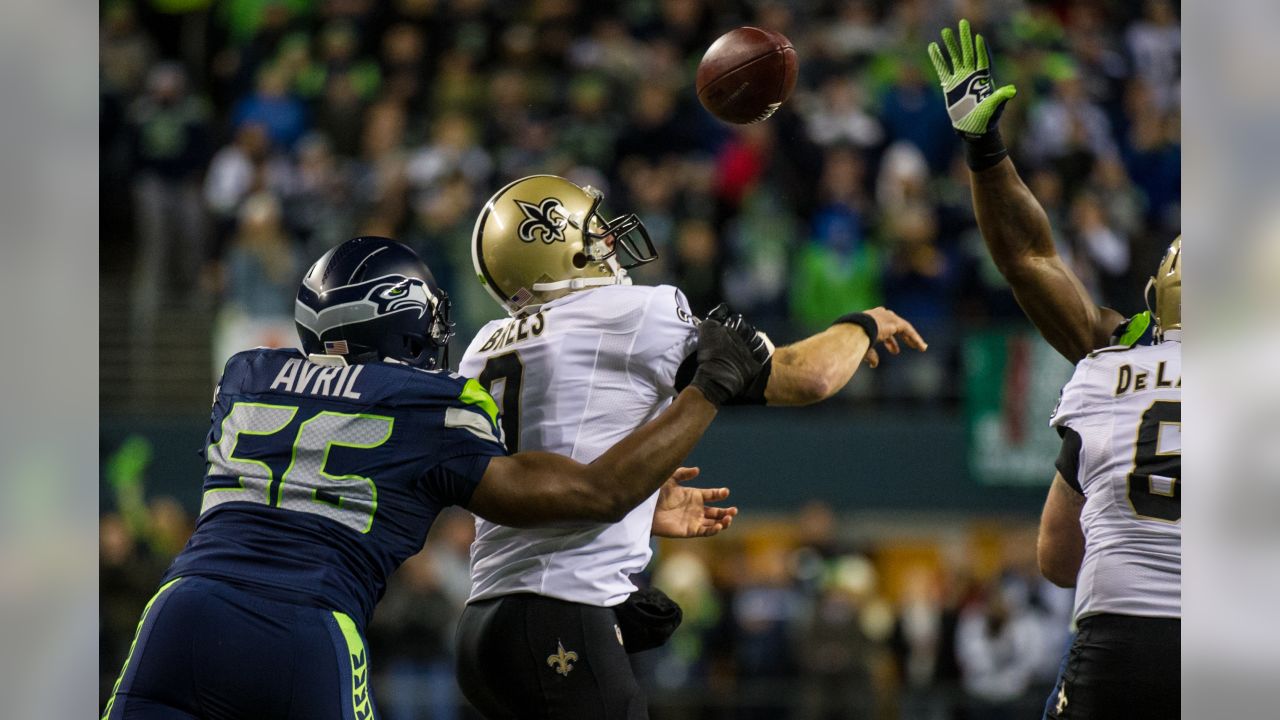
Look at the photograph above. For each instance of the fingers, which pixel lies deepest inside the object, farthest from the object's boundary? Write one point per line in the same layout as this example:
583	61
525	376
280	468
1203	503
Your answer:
872	358
966	44
939	64
719	513
953	49
891	344
983	62
685	474
712	527
1005	93
714	494
912	337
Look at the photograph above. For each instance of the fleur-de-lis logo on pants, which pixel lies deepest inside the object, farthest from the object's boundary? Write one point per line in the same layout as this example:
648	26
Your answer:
562	661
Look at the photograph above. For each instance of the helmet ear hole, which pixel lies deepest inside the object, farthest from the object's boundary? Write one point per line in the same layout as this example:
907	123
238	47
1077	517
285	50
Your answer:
579	260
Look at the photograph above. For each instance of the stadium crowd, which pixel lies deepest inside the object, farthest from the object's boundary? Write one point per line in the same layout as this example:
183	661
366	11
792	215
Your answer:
240	139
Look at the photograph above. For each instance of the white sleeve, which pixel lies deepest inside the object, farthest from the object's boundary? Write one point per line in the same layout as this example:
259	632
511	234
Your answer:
1081	396
666	335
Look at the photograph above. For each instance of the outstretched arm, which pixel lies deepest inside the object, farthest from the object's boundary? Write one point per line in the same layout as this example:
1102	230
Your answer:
1017	235
532	488
817	367
1013	223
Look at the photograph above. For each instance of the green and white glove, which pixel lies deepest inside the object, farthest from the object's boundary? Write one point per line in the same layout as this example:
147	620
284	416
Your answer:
973	106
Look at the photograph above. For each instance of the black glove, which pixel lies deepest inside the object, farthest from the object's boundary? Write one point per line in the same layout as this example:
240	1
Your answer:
761	346
726	364
647	619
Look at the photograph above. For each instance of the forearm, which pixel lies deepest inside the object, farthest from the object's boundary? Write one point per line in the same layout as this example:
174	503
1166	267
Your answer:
535	488
637	466
1017	234
1060	544
817	367
1013	224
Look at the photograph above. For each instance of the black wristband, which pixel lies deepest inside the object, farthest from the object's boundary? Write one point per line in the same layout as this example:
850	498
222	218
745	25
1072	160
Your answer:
985	150
864	321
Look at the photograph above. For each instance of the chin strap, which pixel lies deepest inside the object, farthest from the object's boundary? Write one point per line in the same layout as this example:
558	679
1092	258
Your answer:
619	278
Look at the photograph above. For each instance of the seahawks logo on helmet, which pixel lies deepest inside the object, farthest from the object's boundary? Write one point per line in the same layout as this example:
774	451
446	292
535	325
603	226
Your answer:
366	301
545	221
407	294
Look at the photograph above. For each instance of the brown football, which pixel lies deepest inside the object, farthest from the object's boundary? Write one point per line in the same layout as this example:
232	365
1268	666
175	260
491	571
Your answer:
746	75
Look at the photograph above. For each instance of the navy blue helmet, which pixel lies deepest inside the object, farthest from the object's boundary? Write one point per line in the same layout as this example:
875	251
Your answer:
372	298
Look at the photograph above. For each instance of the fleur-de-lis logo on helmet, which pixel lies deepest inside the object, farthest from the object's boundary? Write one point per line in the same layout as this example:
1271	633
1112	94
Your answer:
545	221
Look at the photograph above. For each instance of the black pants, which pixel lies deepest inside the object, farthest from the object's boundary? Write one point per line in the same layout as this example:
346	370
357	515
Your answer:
528	656
1122	667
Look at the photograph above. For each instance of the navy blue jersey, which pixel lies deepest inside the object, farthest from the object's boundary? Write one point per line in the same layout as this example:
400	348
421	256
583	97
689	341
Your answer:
323	479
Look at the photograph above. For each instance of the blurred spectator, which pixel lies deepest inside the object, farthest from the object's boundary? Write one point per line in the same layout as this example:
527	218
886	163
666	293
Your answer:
261	280
919	283
170	130
589	132
763	611
272	106
684	661
1107	250
404	58
317	197
1069	128
1155	42
697	265
838	271
453	149
412	629
246	165
341	113
912	110
837	644
124	51
854	33
839	116
998	643
125	581
924	642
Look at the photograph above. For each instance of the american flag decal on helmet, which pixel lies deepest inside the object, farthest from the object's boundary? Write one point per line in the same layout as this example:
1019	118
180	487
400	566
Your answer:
335	347
522	298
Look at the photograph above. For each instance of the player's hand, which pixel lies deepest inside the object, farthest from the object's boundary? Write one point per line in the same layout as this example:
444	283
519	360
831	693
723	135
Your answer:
727	364
893	333
974	106
760	344
685	512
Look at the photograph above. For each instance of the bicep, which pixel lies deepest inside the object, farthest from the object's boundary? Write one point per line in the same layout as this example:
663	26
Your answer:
1058	305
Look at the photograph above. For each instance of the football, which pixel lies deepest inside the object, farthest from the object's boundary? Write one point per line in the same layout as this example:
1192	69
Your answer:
746	75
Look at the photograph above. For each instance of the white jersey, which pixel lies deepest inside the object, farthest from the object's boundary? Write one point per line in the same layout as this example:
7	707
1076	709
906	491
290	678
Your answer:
575	378
1125	406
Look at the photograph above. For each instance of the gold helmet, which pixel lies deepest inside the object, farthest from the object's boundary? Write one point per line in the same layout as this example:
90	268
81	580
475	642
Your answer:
542	237
1167	283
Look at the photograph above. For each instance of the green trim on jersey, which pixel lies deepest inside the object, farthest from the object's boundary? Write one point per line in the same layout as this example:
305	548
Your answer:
134	645
474	394
1135	328
360	702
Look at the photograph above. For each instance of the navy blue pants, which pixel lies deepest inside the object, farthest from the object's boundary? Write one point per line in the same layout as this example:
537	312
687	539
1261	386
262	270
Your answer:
208	650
